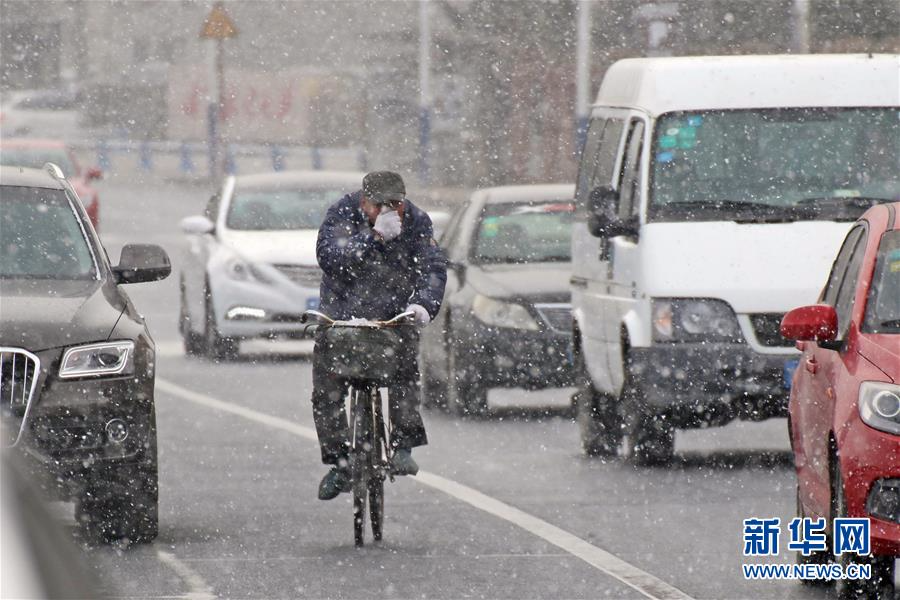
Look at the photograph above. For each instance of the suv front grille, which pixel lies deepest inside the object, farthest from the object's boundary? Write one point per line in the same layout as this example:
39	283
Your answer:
19	370
767	329
309	277
558	317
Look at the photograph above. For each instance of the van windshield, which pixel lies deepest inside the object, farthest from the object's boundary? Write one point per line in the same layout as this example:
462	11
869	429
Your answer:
774	165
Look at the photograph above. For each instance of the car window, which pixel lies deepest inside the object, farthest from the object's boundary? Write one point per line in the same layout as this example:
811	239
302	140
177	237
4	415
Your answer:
844	303
630	189
524	233
452	228
829	294
883	303
35	158
41	236
280	209
589	158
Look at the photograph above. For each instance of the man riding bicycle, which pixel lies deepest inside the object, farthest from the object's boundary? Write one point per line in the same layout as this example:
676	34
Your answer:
379	258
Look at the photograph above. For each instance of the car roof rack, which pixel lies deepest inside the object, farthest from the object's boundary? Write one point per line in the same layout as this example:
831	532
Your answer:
54	170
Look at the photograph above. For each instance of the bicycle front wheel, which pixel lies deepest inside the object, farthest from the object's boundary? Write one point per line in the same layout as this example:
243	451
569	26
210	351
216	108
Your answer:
376	506
359	498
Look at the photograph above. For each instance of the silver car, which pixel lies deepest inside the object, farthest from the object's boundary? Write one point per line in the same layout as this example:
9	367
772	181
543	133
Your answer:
251	268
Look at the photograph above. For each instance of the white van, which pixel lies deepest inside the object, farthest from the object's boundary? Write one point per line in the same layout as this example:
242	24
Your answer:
712	195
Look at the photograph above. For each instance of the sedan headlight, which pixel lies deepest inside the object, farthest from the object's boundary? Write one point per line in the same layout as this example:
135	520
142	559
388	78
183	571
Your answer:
879	405
694	320
240	270
503	314
96	360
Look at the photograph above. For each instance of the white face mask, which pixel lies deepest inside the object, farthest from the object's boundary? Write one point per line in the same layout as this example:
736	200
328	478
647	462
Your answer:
385	208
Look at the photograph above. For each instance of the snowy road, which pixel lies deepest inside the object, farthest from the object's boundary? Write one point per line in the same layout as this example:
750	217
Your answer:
506	507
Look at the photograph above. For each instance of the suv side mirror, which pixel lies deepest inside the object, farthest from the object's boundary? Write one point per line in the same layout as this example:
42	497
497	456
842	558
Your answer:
142	262
602	220
817	323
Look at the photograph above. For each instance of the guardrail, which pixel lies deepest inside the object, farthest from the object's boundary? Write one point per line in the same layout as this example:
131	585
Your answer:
190	160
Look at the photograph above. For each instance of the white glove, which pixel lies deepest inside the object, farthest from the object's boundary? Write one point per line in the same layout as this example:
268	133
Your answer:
387	225
421	315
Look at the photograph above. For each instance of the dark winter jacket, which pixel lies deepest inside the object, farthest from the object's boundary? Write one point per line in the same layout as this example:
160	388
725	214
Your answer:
371	279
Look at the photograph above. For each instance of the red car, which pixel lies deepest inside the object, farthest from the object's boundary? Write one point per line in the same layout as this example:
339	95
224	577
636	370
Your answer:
845	399
22	152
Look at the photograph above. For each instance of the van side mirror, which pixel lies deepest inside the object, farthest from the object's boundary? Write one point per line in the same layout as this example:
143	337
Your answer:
603	222
142	262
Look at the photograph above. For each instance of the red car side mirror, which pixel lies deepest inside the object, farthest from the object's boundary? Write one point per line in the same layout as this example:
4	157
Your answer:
817	323
93	173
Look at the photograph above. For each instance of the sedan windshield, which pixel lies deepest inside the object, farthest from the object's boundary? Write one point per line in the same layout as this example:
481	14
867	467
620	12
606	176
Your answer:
40	236
774	165
280	209
35	158
883	305
524	233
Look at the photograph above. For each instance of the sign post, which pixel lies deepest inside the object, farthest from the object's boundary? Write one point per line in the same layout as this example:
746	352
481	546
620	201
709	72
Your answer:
217	28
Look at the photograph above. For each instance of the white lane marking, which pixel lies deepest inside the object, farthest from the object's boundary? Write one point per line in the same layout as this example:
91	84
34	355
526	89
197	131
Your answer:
641	581
170	349
199	590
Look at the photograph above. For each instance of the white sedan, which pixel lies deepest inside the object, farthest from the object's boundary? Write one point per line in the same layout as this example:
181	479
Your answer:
251	268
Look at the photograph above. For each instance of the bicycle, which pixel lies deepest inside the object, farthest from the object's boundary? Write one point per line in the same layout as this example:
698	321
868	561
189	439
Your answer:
360	352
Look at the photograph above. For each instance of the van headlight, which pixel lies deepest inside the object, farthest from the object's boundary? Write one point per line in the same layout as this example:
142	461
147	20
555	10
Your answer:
503	314
97	360
694	320
879	406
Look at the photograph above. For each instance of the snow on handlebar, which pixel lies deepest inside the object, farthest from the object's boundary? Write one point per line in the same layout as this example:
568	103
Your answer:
323	319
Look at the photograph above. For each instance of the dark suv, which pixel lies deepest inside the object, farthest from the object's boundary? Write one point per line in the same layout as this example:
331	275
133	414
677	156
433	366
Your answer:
76	359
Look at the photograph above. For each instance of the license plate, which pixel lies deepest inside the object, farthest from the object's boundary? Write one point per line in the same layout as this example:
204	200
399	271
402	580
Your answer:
312	304
789	368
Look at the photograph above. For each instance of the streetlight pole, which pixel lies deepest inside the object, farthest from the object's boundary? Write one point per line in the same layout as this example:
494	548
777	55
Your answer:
424	91
582	71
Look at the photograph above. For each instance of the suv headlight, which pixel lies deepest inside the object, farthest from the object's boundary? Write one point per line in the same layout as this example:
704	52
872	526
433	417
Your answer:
503	314
879	406
96	360
694	320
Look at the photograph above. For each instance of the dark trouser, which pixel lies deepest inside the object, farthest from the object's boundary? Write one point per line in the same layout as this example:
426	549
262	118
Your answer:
330	391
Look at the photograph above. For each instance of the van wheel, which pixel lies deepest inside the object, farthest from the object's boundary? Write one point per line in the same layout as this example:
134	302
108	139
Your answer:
595	413
651	438
881	584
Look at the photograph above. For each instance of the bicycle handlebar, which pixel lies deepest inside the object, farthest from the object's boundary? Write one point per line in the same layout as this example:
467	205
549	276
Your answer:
324	320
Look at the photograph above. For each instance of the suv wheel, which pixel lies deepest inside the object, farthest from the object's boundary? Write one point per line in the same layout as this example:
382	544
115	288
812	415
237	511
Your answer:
121	502
881	585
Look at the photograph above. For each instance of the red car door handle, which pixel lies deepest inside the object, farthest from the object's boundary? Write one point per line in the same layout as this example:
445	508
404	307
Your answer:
811	365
